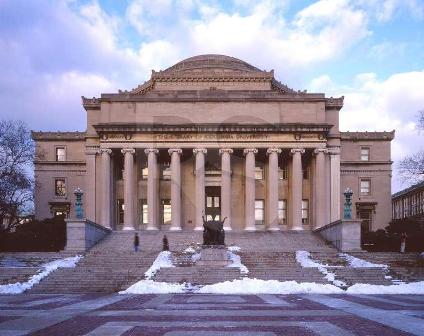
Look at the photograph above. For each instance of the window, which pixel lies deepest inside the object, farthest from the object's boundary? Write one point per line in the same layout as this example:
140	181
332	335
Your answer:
365	154
144	170
60	187
365	187
305	211
259	211
282	173
142	211
305	173
166	171
166	211
259	172
282	215
60	154
121	207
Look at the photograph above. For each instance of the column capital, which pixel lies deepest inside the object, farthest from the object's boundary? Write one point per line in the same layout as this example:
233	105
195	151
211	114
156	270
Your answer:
273	150
297	150
175	150
225	150
199	150
128	150
334	150
250	150
105	151
151	150
320	150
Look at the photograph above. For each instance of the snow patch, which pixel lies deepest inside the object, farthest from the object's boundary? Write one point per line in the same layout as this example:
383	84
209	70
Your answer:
304	259
153	287
236	262
257	286
162	260
189	249
401	288
196	257
360	263
234	248
18	287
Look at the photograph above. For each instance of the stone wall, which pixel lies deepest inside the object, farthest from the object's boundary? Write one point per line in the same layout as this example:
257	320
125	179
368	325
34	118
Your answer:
344	234
81	234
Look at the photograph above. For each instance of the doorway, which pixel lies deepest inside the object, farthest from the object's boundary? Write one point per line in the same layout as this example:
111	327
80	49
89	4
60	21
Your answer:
213	203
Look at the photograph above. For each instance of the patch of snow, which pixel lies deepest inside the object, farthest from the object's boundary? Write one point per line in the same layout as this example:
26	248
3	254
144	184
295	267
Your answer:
18	287
402	288
360	263
162	260
196	257
153	287
257	286
189	249
304	259
236	262
234	248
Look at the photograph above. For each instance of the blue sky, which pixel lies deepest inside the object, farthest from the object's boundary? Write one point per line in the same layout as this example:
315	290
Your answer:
370	51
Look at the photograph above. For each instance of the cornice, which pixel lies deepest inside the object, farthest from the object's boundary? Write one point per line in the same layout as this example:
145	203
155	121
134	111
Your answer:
366	163
334	103
68	136
358	136
59	163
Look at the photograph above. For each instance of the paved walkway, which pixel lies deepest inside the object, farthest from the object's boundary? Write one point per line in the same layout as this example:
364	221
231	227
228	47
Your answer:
211	315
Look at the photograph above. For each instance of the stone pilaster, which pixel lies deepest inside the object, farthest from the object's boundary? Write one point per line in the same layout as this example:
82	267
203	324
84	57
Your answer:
226	186
175	189
320	194
334	184
296	188
249	203
105	218
152	189
273	188
128	188
90	183
200	186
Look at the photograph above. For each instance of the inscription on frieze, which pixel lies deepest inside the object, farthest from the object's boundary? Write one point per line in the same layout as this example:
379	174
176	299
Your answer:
210	136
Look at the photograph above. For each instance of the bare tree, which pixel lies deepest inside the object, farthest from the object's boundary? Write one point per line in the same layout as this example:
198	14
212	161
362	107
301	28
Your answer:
16	183
411	168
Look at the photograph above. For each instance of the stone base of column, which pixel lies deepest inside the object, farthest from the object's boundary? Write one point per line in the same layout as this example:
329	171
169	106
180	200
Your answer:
127	228
251	229
198	228
273	228
174	228
227	228
297	228
152	228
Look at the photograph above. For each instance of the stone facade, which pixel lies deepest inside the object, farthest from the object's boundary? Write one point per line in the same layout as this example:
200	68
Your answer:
215	136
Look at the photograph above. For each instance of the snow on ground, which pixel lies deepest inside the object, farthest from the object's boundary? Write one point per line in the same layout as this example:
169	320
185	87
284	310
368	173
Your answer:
234	248
402	288
360	263
236	262
196	257
189	249
20	287
153	287
162	260
257	286
304	259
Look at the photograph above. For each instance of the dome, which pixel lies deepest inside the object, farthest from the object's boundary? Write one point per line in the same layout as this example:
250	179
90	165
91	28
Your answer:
212	61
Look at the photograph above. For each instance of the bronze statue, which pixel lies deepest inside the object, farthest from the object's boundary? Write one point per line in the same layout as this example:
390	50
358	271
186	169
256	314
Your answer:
213	232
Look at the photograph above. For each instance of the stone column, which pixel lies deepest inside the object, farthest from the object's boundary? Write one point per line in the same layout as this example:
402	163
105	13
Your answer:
90	184
249	204
334	184
226	186
128	188
106	187
200	186
152	189
175	189
320	194
296	188
273	188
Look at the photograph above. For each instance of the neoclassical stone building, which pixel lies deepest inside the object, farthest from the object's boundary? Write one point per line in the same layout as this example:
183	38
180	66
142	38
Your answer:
215	136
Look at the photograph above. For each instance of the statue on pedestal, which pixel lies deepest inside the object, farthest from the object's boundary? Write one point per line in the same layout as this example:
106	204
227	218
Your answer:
213	232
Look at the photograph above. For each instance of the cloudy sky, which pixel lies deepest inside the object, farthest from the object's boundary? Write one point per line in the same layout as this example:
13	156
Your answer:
371	51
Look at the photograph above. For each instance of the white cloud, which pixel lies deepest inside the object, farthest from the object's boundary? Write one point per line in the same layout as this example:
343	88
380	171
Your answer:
385	10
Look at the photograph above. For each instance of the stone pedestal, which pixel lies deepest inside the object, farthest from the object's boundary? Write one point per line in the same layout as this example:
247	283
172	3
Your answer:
213	256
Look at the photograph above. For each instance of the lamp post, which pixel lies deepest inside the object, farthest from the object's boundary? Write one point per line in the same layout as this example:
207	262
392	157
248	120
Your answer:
347	213
78	203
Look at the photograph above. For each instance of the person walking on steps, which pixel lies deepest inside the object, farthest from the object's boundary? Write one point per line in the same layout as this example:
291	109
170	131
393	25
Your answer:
165	244
403	242
136	242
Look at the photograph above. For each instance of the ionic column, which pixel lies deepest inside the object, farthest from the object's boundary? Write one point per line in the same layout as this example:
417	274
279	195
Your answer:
175	189
128	188
106	187
296	188
200	186
226	186
152	190
90	183
273	188
334	184
320	194
249	205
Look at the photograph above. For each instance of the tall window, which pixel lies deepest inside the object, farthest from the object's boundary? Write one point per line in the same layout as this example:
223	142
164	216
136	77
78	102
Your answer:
121	207
60	154
365	187
144	170
365	154
259	211
282	214
60	187
259	172
166	211
305	211
366	220
282	173
166	171
142	211
305	173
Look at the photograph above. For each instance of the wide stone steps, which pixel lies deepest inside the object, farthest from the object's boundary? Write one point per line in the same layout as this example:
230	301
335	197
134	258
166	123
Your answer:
197	275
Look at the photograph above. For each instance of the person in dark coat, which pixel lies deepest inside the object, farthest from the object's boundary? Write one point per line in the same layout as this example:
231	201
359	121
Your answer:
403	242
165	244
136	242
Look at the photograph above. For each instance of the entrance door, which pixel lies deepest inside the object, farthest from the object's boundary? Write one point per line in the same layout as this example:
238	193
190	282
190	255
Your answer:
213	203
366	220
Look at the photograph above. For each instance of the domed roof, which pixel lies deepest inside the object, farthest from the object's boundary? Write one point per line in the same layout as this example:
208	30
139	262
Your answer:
212	61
